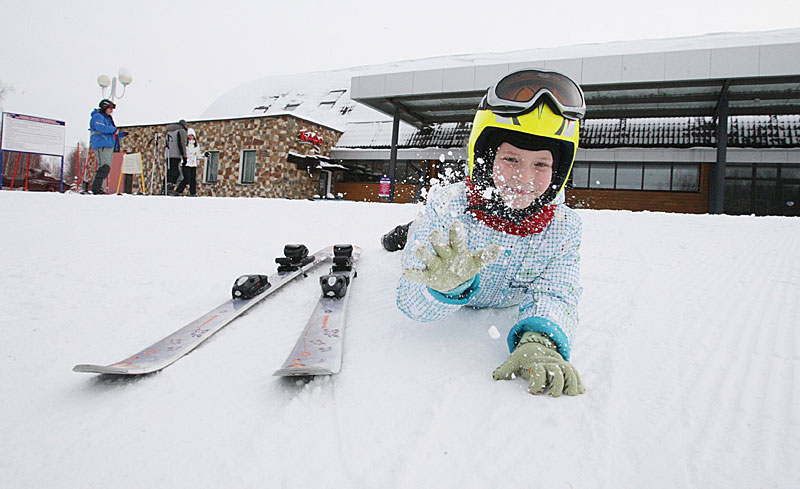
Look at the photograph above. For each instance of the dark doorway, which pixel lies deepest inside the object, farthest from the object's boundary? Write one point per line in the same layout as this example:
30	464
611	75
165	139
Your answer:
762	190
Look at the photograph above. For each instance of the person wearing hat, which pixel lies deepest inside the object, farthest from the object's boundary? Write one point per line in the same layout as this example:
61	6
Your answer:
176	147
504	236
104	137
189	169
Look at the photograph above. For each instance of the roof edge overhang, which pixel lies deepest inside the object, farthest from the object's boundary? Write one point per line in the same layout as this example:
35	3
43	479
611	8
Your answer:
441	154
242	117
690	81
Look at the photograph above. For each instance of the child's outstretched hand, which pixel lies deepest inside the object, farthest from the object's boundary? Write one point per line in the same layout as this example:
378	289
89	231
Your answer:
452	264
537	360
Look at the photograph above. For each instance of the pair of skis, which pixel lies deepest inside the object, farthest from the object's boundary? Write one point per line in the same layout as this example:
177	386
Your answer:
318	350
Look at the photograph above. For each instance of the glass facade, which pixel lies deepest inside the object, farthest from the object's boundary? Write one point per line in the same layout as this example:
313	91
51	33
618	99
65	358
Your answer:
672	177
686	178
762	189
406	171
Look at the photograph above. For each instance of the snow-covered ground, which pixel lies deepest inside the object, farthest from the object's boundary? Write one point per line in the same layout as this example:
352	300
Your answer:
688	348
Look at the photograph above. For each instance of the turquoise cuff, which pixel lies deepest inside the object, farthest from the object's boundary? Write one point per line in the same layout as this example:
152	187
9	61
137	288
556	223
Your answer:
539	325
459	296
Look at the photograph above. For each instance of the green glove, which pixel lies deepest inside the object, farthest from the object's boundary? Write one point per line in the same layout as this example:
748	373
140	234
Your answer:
452	264
537	359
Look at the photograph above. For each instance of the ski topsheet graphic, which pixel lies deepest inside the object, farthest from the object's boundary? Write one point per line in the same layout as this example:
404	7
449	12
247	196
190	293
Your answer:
248	291
319	349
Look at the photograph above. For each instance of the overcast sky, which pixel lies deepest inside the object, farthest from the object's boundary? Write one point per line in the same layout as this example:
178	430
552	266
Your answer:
184	54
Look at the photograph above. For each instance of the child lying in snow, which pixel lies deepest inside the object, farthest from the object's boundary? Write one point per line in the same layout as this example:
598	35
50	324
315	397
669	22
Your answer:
510	211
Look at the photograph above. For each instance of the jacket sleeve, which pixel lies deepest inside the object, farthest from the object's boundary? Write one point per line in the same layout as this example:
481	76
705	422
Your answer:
416	300
551	304
99	124
182	139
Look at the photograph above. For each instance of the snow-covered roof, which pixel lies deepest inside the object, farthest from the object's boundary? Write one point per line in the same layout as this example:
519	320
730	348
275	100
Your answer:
781	131
321	97
319	162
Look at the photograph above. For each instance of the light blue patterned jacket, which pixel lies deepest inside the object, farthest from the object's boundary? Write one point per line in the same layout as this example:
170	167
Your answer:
539	272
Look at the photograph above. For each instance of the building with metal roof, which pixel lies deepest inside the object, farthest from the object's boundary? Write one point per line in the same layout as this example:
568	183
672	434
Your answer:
704	79
696	124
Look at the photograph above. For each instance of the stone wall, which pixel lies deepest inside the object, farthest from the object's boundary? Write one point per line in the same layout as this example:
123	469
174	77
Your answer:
271	137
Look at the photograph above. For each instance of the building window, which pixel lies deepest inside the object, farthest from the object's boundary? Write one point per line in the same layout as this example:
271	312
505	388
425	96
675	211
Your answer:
636	176
268	101
211	167
790	173
291	106
332	98
580	175
762	189
739	171
601	175
406	172
686	178
657	176
629	176
766	172
247	170
738	195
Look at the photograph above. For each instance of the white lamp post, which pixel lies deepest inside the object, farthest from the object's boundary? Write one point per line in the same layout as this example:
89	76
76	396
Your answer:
124	77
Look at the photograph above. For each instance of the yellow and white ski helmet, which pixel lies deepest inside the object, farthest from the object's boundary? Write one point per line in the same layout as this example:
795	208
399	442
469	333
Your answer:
531	109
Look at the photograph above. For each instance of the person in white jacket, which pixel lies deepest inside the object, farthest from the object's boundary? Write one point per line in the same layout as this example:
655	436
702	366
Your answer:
189	169
504	236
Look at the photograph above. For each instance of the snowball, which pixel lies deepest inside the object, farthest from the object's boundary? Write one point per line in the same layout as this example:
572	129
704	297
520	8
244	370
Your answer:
493	332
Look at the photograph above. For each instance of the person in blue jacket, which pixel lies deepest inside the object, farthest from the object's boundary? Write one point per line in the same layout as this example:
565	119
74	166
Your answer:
103	140
504	237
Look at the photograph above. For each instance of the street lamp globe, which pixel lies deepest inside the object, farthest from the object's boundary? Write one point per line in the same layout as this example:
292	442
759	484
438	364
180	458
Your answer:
125	77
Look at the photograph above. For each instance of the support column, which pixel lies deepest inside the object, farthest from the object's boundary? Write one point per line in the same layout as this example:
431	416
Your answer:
717	184
424	166
393	152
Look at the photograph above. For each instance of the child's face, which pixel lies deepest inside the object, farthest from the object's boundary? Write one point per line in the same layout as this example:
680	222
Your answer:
521	175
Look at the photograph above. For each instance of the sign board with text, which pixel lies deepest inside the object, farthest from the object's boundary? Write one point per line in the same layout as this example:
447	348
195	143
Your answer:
32	134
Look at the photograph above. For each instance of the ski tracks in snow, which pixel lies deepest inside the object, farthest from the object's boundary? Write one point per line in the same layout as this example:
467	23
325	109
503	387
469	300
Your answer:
704	337
742	409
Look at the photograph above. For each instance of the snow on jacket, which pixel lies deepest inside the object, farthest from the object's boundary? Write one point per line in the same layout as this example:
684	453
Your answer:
102	129
176	140
192	151
539	272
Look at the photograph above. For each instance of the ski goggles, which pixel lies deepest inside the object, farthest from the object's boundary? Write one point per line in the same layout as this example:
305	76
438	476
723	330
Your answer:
520	91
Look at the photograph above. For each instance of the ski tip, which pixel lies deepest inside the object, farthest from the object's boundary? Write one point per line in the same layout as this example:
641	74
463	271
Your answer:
105	369
87	368
302	372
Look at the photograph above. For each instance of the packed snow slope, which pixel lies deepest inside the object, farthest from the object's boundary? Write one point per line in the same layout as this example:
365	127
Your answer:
688	348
